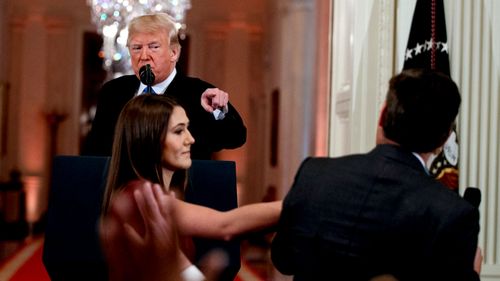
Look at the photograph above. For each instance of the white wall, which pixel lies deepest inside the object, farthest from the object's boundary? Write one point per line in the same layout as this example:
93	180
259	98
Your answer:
362	63
475	65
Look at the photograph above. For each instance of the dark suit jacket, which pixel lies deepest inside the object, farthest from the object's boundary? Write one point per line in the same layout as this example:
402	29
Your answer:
210	135
355	217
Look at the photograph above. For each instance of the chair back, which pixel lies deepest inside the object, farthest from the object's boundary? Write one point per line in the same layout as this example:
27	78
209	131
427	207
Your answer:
213	184
71	248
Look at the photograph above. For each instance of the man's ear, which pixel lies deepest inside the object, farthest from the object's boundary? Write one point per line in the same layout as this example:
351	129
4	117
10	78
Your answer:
380	135
175	52
381	117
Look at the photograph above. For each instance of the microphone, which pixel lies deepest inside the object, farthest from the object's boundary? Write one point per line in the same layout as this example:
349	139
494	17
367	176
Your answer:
147	77
473	196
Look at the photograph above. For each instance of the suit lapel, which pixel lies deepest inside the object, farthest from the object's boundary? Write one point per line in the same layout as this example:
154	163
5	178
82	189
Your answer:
171	88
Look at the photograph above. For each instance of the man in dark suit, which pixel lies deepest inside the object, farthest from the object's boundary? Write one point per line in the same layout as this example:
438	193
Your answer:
153	40
381	214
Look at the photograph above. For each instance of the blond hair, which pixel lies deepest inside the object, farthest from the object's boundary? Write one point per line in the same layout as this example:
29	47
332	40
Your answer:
153	23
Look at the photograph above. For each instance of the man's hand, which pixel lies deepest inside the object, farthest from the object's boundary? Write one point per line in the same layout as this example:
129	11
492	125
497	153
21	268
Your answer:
214	98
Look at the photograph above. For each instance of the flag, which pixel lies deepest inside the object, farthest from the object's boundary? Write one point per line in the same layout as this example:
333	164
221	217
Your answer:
428	48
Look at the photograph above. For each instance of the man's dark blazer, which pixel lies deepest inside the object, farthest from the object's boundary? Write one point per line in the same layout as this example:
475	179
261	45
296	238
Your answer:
210	135
359	216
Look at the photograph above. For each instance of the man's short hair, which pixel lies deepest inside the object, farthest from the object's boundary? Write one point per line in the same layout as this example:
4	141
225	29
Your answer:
421	107
153	23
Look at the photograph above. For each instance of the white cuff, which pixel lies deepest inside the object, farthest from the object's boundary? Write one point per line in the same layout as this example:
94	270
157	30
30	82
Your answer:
220	113
192	273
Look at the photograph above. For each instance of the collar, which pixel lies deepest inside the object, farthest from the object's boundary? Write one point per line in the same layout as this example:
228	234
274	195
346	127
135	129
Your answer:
395	152
421	161
160	87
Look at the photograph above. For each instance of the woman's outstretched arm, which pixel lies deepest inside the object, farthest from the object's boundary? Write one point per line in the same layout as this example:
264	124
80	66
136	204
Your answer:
200	221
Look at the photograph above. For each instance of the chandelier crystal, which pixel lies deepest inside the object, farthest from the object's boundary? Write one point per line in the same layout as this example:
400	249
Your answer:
112	17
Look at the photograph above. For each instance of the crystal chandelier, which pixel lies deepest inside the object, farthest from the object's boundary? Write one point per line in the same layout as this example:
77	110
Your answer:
112	17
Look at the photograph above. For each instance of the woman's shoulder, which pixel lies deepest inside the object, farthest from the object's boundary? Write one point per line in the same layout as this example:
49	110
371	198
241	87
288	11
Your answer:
124	208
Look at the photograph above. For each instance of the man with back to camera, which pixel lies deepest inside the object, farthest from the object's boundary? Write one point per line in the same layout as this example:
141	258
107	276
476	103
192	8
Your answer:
381	214
153	40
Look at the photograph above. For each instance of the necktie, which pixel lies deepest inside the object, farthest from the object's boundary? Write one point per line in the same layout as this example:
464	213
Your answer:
146	91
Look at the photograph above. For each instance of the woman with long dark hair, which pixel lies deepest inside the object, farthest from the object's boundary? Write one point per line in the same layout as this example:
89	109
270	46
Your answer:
152	148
